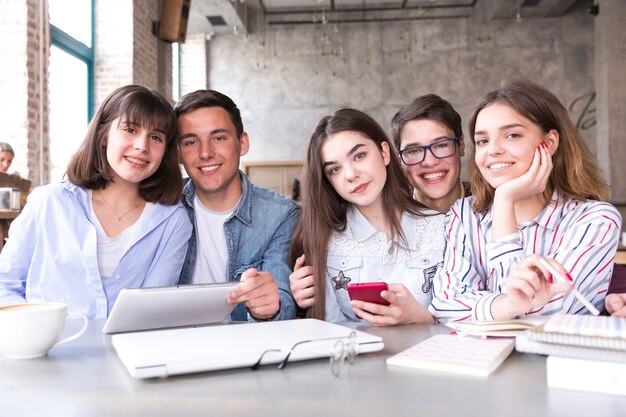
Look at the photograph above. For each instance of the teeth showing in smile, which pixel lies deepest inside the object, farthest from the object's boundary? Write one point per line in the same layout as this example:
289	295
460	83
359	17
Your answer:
500	165
209	168
136	161
433	176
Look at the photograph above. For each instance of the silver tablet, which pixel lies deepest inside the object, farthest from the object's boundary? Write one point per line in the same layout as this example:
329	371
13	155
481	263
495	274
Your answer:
163	307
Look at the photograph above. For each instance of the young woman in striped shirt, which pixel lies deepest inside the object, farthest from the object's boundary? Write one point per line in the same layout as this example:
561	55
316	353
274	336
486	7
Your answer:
536	194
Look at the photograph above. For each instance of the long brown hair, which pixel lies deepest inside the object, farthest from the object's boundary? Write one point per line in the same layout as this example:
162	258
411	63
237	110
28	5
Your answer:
89	167
324	211
574	175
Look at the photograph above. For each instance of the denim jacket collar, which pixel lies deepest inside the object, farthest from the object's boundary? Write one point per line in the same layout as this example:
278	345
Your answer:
243	210
359	225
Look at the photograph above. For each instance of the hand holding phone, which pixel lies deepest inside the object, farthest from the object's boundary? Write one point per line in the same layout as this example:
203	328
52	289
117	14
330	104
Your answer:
368	292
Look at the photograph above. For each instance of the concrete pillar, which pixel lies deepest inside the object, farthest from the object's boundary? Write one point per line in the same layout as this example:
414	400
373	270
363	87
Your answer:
610	81
194	64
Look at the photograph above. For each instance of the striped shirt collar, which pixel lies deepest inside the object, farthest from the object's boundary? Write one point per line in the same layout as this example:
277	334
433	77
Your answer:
547	218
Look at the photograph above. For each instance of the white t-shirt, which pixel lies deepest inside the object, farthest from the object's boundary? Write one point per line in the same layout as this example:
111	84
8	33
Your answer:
212	253
110	250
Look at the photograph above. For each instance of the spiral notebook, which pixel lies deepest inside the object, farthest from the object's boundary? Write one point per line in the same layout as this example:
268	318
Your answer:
523	344
601	332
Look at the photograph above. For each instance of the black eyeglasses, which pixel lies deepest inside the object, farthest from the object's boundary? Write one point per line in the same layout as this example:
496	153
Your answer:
440	149
345	348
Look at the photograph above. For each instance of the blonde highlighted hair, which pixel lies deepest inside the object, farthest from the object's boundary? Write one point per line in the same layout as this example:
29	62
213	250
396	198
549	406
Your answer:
575	175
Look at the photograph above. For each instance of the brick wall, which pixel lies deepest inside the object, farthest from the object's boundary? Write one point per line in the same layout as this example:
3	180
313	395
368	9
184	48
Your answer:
145	59
113	54
126	51
23	86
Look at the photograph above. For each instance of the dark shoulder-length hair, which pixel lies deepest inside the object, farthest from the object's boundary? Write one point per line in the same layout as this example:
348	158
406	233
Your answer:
89	167
210	98
324	211
574	175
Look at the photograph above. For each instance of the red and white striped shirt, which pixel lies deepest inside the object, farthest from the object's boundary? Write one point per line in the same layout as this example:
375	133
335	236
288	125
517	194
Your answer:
581	235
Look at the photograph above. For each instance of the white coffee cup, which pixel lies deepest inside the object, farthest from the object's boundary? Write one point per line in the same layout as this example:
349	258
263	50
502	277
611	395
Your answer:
31	330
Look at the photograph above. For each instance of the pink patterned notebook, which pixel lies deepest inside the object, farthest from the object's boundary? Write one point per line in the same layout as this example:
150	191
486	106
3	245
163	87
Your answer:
456	354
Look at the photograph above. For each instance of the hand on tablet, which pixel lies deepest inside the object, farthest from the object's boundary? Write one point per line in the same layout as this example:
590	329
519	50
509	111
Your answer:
258	292
403	308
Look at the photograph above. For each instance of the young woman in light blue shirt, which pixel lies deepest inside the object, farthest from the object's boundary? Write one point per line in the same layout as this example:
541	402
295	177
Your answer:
360	224
117	222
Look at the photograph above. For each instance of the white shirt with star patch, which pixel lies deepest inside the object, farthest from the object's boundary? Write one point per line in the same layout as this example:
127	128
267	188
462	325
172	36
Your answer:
363	254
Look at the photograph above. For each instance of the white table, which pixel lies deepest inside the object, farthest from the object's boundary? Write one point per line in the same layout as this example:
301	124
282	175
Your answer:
85	378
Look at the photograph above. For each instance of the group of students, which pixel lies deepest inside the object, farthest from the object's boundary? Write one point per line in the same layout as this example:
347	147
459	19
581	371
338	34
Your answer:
371	211
535	194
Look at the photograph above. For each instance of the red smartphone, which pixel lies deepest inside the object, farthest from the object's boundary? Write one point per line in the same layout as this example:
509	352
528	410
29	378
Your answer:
368	291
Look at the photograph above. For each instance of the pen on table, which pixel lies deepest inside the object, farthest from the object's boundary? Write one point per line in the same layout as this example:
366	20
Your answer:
574	291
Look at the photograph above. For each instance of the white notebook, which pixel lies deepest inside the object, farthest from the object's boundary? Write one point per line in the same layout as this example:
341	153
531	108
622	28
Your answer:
586	375
457	354
504	328
162	353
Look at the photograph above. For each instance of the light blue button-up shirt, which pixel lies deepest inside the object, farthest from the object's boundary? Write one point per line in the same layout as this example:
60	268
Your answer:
51	253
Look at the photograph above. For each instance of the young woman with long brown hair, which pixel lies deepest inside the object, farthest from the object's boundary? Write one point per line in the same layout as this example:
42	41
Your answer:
359	224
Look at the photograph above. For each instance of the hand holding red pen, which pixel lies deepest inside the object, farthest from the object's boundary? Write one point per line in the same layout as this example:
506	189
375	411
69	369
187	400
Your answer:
529	285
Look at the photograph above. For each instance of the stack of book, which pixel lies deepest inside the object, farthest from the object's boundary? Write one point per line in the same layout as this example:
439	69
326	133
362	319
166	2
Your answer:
586	353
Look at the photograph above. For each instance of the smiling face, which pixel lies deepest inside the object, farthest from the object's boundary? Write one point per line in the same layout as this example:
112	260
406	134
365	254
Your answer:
210	151
505	143
6	159
436	181
356	168
133	151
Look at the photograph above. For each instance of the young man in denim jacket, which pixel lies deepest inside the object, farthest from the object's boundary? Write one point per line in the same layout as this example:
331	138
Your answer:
241	232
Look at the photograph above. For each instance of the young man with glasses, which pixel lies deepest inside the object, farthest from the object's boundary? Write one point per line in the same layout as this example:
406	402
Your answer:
428	135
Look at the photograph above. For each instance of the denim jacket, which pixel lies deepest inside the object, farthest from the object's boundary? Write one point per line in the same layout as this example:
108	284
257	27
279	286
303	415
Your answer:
258	235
